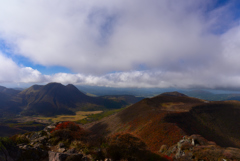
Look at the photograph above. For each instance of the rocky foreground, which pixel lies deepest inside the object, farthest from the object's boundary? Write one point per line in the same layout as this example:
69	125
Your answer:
197	148
40	146
66	141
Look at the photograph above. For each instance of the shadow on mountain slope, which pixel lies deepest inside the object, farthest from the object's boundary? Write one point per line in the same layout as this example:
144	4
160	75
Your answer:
218	122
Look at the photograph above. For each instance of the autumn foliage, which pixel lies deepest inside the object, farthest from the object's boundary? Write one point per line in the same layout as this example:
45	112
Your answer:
127	146
69	130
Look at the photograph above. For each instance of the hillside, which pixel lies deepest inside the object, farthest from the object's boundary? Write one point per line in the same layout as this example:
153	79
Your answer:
166	118
146	119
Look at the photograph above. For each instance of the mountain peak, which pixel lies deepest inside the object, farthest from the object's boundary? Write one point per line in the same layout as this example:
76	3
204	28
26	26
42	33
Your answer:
53	84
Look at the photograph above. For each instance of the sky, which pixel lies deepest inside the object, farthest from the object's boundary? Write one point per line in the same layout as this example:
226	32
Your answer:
121	43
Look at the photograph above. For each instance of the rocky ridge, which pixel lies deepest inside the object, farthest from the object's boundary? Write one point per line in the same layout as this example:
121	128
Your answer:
38	146
42	146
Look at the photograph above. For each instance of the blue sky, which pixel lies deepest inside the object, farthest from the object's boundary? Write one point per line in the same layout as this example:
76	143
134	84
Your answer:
165	44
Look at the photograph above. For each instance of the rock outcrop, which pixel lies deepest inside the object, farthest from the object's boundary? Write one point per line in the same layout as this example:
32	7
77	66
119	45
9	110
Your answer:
36	146
195	147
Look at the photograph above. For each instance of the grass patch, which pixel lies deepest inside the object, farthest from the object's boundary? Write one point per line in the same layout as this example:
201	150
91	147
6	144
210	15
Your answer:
98	116
79	115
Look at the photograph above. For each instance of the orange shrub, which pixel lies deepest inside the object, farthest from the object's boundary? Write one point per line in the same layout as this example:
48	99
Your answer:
69	130
125	146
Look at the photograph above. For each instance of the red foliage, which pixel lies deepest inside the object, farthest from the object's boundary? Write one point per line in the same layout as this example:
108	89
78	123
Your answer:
168	158
75	131
67	125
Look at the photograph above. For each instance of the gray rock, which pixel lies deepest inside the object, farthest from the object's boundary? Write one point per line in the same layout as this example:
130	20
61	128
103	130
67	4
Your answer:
42	140
71	151
61	150
37	145
61	145
55	156
49	128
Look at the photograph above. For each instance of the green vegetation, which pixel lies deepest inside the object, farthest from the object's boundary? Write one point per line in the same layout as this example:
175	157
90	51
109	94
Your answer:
25	124
79	115
12	127
98	116
20	139
4	143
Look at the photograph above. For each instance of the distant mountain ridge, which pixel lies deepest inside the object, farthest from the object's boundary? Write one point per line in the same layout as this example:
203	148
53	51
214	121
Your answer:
8	91
54	99
202	94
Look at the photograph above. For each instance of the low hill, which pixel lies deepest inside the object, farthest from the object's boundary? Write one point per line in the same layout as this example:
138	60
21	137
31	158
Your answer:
168	117
146	119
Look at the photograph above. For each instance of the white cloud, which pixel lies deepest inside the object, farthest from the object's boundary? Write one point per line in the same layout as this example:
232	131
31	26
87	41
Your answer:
8	69
103	36
10	72
147	79
151	43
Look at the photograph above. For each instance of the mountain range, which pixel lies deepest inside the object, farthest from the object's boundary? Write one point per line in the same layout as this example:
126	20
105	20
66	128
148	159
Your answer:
211	95
54	99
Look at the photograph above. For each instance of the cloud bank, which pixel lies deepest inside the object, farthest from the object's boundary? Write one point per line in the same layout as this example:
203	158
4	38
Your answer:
12	73
123	43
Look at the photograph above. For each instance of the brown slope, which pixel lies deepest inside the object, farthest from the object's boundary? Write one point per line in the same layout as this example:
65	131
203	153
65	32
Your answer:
146	119
164	119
